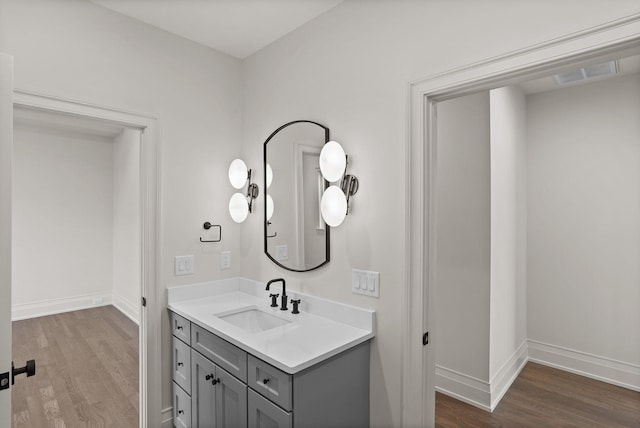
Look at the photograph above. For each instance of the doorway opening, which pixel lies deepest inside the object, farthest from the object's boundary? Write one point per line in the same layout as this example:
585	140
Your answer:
614	40
537	243
86	209
76	256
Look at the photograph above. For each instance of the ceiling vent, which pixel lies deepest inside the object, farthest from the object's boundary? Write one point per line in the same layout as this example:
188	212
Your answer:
586	73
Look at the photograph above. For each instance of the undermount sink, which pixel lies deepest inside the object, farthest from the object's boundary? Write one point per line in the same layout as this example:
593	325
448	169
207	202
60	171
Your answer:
252	319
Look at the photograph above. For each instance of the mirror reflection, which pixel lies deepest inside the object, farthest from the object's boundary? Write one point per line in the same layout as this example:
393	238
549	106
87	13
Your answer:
295	236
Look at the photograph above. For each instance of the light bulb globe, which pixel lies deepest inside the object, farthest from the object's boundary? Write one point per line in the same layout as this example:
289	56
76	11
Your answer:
238	173
333	206
238	207
333	161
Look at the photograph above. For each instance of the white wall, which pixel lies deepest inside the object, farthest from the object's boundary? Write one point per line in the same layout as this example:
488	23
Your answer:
508	307
463	229
77	50
62	218
349	70
583	209
126	223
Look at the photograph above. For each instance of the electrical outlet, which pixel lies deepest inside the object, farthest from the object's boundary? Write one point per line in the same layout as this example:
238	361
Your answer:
365	282
183	265
98	301
225	260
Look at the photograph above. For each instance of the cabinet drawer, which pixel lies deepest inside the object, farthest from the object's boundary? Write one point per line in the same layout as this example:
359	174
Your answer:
269	381
180	327
182	364
264	414
228	356
181	408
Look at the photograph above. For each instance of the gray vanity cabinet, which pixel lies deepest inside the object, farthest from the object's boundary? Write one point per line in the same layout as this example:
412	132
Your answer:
217	398
230	388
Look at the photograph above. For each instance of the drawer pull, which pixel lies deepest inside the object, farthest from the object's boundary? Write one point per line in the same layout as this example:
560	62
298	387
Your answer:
179	327
265	381
180	364
181	412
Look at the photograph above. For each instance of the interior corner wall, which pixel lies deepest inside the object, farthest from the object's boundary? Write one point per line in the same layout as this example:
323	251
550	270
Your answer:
127	231
463	245
508	307
62	220
583	230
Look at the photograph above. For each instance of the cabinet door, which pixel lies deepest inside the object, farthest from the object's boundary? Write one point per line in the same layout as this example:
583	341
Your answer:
203	390
231	401
264	414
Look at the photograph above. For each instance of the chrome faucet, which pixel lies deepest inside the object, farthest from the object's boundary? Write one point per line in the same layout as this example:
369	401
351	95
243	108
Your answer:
283	298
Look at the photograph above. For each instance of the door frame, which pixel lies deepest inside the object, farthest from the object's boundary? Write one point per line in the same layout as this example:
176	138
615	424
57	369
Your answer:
150	386
613	39
6	160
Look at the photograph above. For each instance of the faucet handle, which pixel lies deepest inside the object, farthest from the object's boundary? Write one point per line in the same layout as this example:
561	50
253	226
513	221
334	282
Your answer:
295	303
274	298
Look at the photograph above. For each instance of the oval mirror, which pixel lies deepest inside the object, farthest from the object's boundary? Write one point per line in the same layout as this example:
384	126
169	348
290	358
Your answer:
295	236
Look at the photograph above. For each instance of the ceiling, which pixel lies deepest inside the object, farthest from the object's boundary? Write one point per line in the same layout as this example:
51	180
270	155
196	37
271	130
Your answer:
236	27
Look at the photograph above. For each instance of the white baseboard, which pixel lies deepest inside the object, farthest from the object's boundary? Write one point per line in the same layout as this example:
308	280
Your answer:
604	369
57	306
130	309
502	380
479	393
487	395
167	417
463	387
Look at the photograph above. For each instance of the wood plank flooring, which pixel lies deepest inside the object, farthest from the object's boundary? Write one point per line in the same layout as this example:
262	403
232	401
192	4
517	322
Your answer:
86	370
546	397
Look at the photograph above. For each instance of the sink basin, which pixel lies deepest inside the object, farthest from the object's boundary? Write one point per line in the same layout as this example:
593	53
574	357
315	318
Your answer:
252	319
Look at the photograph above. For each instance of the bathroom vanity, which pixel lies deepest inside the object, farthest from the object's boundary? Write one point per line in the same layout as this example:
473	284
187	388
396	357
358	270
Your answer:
238	362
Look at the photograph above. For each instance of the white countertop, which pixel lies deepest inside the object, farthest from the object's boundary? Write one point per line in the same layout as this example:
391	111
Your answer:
323	328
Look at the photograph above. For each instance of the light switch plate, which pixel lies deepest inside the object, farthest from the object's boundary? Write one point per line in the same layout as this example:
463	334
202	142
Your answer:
282	252
183	265
365	282
225	260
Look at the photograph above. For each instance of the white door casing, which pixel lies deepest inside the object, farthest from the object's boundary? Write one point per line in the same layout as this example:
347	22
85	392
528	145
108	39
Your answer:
6	150
150	315
612	40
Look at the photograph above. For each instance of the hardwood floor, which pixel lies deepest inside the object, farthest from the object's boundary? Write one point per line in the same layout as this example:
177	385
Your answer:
545	397
86	370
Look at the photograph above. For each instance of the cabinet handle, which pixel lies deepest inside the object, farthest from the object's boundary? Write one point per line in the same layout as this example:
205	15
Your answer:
180	412
265	381
180	364
208	377
213	382
179	327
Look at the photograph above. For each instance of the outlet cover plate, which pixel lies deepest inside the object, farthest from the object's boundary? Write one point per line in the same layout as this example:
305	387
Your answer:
225	260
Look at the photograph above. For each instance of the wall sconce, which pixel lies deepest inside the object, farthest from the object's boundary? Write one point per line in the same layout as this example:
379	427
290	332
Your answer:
334	205
240	205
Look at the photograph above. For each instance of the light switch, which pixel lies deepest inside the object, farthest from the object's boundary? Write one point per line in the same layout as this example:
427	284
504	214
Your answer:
183	265
365	282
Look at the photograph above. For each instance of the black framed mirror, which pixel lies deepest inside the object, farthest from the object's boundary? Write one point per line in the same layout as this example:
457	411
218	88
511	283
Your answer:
296	237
